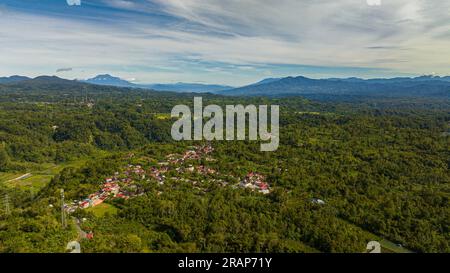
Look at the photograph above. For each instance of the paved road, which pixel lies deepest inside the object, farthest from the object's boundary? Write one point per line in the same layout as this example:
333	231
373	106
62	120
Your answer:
81	233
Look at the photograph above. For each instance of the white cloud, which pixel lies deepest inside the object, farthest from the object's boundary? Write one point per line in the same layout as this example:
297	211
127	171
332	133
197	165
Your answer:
123	4
374	2
326	32
410	36
73	2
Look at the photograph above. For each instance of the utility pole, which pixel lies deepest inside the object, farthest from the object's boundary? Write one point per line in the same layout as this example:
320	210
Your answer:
6	203
32	193
86	98
63	212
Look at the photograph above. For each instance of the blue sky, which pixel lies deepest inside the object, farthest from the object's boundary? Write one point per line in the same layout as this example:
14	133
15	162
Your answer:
232	42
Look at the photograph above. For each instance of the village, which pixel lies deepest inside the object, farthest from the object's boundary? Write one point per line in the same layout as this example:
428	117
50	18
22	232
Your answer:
122	185
255	181
112	187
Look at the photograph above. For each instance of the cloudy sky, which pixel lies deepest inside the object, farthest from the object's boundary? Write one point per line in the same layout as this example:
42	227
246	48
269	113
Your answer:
231	42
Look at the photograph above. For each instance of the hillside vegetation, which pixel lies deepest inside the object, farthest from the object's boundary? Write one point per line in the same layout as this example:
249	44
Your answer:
381	168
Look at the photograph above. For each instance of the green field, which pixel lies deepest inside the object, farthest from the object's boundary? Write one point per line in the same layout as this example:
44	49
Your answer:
53	169
386	245
162	116
34	182
390	247
39	178
8	176
102	209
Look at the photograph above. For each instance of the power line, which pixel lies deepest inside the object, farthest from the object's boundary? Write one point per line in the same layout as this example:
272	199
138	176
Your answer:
6	204
63	212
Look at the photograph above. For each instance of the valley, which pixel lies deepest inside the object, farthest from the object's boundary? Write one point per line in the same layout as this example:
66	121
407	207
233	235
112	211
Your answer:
345	174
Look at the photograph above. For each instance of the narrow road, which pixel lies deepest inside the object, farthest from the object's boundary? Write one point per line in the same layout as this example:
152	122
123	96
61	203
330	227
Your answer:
81	233
74	246
20	177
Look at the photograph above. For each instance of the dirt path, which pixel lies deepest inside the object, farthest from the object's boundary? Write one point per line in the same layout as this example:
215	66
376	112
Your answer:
20	177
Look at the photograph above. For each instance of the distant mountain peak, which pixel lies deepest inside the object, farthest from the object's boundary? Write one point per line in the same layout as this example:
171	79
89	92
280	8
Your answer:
423	86
107	79
267	80
48	78
105	76
13	79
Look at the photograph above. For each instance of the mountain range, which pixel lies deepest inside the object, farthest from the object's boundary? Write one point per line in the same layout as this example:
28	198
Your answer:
107	79
423	86
13	79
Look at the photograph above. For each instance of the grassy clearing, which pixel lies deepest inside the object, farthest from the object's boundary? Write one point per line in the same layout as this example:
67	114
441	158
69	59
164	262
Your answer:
34	182
54	169
309	113
39	178
162	116
102	209
390	247
386	245
8	176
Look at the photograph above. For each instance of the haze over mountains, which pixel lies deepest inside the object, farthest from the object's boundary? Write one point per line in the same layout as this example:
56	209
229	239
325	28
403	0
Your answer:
13	79
107	79
423	86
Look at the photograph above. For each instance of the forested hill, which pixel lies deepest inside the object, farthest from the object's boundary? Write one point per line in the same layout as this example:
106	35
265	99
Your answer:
332	89
352	87
379	167
53	89
111	81
52	84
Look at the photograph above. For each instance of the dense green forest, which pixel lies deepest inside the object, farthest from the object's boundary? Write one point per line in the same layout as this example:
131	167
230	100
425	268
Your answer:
380	166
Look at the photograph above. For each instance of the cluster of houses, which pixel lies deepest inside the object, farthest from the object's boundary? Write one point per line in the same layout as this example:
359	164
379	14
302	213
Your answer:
256	182
197	169
204	170
253	181
195	153
159	173
112	187
121	186
134	170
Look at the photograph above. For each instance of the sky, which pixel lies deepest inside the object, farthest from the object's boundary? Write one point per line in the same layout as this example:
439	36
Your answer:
233	42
